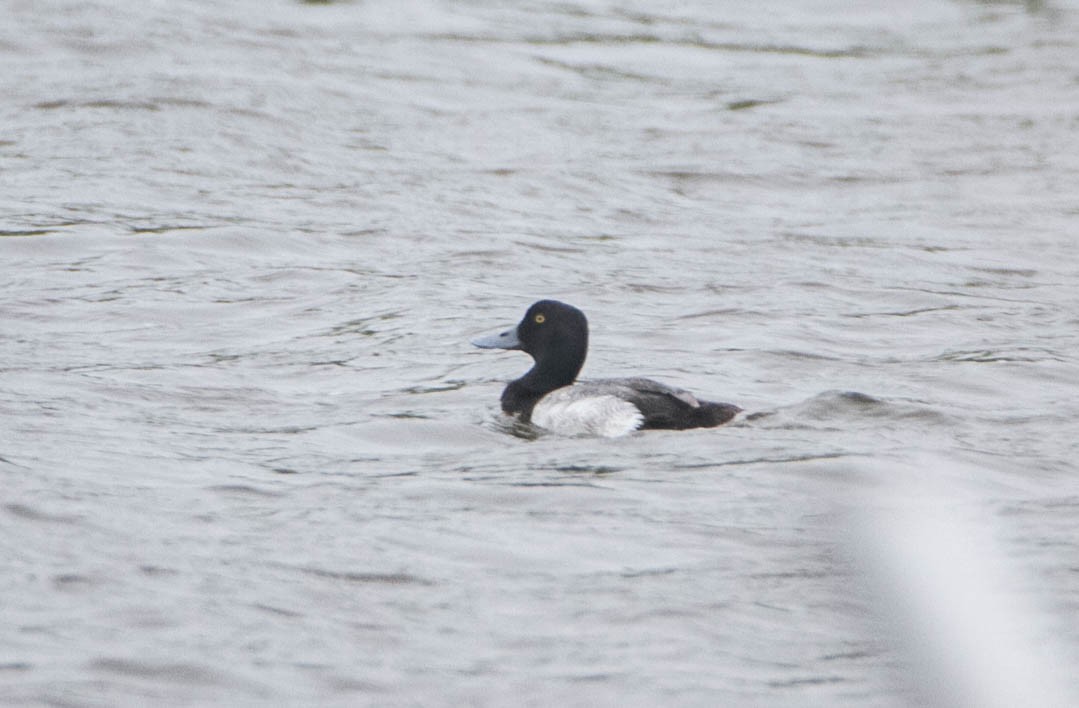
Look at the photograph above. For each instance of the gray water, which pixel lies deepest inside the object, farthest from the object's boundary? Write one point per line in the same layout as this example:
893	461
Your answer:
248	456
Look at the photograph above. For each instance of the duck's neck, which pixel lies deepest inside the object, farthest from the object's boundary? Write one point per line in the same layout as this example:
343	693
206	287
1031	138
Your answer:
554	372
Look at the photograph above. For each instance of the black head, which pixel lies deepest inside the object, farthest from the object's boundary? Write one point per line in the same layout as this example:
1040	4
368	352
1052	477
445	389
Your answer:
554	331
555	335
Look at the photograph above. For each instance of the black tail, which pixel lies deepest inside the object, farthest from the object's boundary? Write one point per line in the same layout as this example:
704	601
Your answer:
709	414
669	413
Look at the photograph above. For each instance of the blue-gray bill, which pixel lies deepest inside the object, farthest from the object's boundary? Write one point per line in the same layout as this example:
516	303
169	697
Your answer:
499	340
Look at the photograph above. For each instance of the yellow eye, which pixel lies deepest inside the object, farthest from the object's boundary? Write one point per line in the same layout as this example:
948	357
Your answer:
539	319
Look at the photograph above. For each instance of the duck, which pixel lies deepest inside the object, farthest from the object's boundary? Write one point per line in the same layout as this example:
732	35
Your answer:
550	396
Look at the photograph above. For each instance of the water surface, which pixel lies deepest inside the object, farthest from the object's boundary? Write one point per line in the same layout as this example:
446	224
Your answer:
249	456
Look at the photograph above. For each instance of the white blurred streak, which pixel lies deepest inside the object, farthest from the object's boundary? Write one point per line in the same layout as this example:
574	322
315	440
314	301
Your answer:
952	602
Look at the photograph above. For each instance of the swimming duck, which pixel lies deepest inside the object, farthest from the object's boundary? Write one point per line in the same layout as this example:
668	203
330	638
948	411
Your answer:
555	335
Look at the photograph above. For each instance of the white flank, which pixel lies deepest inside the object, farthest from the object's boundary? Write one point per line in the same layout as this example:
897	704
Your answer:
566	412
